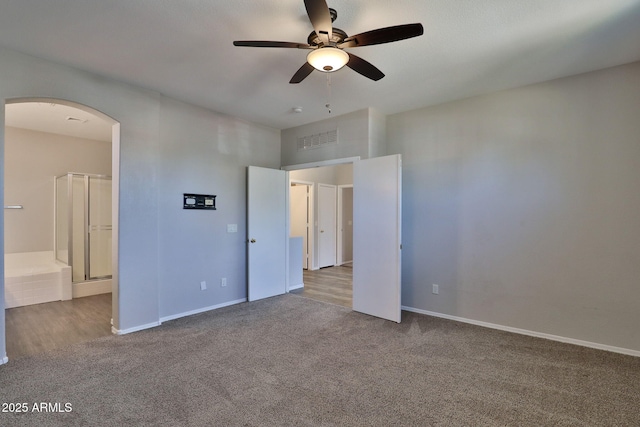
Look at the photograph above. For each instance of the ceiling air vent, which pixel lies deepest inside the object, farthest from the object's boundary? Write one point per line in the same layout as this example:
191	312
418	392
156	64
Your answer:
317	140
75	119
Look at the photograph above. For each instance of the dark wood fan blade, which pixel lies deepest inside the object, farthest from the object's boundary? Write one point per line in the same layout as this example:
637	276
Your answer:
383	35
320	18
363	67
302	73
261	43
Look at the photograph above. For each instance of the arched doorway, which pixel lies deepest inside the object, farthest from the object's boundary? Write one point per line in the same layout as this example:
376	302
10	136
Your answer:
46	116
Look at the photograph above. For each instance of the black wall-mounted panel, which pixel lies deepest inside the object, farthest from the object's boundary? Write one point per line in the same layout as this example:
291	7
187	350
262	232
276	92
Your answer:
199	201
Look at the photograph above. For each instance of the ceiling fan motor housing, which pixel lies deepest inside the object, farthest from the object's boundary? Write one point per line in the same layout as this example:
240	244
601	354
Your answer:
337	37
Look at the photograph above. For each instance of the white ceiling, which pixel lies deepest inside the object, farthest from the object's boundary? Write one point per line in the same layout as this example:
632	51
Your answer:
59	119
184	49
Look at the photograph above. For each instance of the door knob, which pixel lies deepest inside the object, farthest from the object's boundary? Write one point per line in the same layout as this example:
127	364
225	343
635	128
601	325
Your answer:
322	231
253	240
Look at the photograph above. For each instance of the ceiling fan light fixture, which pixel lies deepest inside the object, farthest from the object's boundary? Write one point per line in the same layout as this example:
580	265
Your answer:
328	59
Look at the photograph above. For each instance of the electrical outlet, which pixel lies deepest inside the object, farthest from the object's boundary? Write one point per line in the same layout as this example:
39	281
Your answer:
436	289
203	285
223	282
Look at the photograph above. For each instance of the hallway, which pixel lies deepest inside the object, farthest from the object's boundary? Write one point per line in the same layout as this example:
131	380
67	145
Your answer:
330	284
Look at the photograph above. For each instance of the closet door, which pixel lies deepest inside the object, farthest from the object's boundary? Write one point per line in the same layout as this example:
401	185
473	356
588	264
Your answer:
327	214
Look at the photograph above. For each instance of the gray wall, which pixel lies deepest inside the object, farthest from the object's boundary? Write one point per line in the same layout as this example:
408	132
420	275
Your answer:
204	153
3	343
155	132
360	134
377	133
523	206
32	160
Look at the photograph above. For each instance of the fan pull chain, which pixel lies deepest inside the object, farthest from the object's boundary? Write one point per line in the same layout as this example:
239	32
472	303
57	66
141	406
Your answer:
328	104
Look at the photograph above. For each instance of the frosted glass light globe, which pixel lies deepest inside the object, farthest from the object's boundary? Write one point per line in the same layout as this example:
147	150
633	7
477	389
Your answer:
328	59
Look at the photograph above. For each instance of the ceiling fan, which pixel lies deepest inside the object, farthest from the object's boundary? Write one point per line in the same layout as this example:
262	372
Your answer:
327	43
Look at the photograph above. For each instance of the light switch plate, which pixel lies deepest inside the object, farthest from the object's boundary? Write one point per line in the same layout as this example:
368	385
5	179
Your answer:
232	228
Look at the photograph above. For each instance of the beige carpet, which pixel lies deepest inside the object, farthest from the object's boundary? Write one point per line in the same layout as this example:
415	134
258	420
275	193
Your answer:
291	361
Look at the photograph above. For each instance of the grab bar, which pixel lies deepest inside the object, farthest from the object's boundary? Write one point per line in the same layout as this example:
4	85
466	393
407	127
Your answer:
99	228
13	207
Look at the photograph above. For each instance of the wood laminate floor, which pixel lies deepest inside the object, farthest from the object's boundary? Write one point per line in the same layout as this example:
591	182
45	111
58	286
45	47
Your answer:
37	328
330	284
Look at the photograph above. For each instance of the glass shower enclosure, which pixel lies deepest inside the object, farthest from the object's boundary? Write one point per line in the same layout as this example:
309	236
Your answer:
83	225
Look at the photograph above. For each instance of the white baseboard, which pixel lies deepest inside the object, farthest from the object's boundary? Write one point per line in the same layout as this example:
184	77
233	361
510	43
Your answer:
301	285
201	310
4	360
94	287
172	317
134	329
558	338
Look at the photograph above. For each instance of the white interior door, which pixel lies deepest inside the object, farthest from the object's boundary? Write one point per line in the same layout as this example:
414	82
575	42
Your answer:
377	215
327	213
267	232
299	216
345	224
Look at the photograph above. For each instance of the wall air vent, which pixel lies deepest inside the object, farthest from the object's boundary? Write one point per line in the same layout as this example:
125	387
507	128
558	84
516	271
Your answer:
317	140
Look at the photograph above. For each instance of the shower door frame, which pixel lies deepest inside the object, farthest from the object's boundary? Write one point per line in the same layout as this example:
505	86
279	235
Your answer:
86	231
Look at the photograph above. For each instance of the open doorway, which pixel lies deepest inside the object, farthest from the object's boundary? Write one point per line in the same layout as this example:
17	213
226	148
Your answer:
47	303
301	217
321	208
377	201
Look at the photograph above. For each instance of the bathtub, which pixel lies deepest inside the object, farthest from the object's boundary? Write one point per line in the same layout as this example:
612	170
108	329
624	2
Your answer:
35	278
